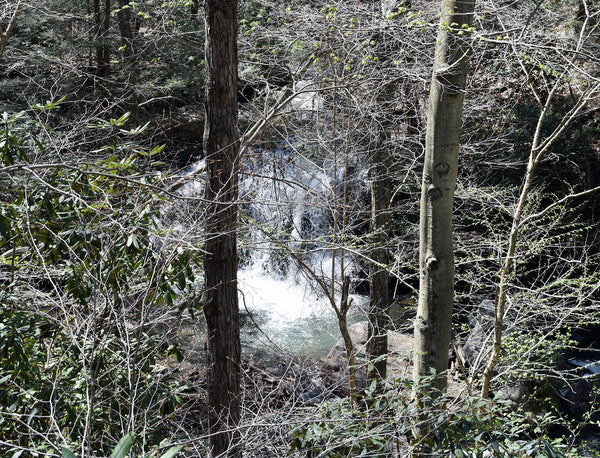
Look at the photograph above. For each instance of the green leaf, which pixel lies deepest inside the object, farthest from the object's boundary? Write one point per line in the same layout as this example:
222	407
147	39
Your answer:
157	149
496	446
119	122
68	453
131	240
172	452
372	387
123	447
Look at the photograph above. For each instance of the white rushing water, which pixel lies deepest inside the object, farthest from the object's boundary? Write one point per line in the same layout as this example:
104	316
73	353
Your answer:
287	215
290	311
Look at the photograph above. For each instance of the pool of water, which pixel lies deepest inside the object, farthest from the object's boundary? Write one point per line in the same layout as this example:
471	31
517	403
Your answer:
290	314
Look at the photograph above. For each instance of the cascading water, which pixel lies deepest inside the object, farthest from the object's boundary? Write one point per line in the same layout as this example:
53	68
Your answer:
286	260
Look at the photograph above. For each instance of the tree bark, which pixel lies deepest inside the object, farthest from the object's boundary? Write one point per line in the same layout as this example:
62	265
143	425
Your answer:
379	304
381	193
129	25
436	257
221	148
101	25
127	29
342	317
194	7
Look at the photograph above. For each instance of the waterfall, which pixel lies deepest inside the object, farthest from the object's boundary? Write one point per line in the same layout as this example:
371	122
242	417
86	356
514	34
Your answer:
286	261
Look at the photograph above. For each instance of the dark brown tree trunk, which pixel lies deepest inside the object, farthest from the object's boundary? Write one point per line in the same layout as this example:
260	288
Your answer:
378	314
221	148
101	25
194	7
127	29
379	303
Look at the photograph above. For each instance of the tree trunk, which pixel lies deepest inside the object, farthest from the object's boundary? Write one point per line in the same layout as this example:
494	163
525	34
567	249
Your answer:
194	7
436	258
101	25
127	30
221	148
539	147
381	192
129	24
378	313
342	317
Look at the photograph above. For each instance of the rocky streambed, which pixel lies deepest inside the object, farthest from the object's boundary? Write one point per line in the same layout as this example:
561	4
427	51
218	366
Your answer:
276	381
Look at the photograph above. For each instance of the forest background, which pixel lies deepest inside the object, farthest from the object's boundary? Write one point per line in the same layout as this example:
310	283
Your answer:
101	255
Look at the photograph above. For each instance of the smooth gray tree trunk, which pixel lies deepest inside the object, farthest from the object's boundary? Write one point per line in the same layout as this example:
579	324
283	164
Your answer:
436	259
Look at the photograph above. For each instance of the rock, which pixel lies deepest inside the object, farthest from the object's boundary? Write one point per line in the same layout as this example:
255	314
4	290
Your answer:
481	322
400	347
279	381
